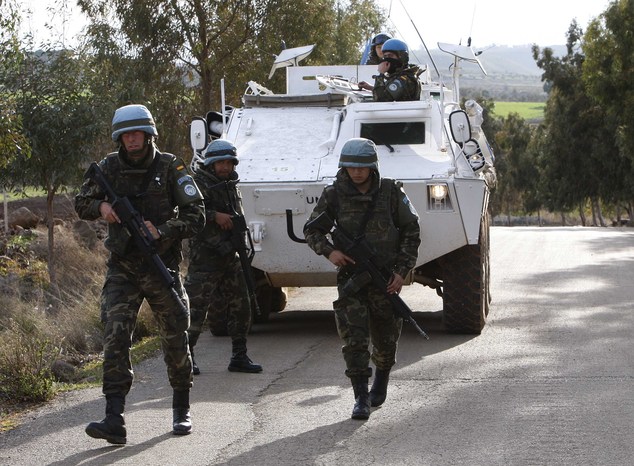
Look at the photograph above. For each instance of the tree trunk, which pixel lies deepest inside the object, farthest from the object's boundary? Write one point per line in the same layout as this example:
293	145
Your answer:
597	214
582	215
539	218
50	223
594	213
508	214
5	202
563	218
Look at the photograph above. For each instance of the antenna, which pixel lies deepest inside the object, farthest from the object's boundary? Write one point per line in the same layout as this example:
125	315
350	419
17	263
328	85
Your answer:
472	19
421	39
471	28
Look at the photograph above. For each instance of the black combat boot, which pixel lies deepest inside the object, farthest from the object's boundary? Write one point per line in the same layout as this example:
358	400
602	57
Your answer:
240	362
193	338
378	392
180	408
361	408
112	427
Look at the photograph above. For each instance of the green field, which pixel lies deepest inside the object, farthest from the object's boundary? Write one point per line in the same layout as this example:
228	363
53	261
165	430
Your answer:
526	110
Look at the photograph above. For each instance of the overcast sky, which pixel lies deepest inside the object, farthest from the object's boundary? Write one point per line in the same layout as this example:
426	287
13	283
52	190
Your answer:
488	22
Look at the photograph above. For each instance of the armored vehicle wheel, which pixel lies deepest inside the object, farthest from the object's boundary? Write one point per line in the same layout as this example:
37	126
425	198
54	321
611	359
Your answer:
466	293
279	300
270	299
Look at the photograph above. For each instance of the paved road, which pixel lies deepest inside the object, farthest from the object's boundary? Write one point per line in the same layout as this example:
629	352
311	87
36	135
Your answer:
549	381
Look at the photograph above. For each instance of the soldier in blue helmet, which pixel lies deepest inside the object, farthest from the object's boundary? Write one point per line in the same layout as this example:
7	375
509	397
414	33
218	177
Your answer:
376	46
215	280
161	190
362	203
397	79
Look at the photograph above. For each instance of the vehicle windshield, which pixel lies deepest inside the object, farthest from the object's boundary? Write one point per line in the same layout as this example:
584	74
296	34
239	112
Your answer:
390	134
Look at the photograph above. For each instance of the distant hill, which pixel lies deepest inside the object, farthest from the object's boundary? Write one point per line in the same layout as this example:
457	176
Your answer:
511	71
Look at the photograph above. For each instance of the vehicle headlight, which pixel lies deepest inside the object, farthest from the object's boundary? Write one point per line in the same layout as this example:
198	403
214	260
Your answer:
438	198
438	191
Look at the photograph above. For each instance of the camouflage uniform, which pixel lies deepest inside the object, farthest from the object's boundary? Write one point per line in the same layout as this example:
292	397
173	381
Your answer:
398	86
130	277
215	280
393	231
214	266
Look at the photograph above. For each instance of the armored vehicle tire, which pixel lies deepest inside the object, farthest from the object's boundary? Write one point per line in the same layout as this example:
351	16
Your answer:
279	300
270	299
466	293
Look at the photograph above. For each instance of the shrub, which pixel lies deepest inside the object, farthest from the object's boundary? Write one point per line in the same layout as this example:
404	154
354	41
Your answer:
53	333
22	274
26	355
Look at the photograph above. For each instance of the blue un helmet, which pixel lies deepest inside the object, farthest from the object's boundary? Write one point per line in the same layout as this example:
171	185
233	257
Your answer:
132	118
359	153
379	39
373	57
220	149
399	47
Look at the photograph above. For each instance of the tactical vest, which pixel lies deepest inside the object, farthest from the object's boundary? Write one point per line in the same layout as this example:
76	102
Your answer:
154	203
212	241
380	231
400	86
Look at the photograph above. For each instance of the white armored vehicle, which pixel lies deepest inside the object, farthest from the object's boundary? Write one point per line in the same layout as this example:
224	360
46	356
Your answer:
289	144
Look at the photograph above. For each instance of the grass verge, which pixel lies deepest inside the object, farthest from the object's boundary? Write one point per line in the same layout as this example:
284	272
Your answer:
90	375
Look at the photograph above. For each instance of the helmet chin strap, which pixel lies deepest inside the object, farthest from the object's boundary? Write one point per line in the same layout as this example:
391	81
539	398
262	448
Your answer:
145	150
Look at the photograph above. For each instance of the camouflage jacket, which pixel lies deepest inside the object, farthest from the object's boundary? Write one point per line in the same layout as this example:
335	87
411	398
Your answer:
401	85
220	196
170	200
392	229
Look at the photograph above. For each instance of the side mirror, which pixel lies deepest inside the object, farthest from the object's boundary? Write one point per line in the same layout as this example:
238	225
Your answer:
198	133
460	126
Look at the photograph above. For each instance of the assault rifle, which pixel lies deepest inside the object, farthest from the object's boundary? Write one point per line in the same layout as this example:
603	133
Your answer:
132	221
239	233
365	261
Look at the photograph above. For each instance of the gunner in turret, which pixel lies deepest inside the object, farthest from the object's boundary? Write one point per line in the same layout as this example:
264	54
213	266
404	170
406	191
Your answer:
397	79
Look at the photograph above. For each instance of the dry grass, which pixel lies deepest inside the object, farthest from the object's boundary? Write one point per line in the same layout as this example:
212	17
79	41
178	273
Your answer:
51	333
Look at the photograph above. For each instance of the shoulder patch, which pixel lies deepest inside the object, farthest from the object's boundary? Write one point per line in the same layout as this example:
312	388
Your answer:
184	179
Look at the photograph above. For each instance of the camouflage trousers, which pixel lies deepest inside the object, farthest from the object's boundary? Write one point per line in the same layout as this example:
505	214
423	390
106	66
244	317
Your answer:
219	294
127	284
363	319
